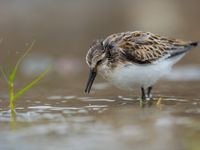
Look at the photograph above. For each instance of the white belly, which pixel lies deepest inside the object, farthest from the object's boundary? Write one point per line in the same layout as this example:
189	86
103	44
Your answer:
133	77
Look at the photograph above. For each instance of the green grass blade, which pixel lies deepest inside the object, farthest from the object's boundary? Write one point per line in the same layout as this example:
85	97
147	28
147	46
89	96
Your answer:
18	62
31	84
4	75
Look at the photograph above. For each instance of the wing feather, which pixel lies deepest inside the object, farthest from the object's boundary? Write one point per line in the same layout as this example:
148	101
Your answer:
145	47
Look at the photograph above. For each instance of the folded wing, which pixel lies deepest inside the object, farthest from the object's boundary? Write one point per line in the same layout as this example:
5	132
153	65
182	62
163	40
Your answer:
145	47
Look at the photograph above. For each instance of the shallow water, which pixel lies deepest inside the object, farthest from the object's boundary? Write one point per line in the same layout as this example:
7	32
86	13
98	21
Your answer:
103	120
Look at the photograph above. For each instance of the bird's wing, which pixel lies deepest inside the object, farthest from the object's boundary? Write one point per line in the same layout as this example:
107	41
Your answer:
145	47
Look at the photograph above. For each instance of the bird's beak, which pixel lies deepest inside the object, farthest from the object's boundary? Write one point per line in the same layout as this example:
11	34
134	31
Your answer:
90	80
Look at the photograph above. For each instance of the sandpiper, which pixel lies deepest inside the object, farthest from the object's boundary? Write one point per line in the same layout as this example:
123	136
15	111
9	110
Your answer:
134	60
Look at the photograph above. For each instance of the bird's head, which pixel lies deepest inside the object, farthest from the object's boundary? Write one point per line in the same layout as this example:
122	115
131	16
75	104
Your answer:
94	59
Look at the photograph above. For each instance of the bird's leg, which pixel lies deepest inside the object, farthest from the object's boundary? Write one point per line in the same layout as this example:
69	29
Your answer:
149	92
143	93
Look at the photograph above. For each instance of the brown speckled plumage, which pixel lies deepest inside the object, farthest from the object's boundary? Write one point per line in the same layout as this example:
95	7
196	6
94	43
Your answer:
137	47
144	47
132	60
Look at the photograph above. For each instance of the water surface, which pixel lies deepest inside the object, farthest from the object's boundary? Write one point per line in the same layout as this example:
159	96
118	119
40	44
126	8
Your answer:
103	120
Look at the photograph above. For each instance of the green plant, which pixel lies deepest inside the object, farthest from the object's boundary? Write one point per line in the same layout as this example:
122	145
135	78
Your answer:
11	76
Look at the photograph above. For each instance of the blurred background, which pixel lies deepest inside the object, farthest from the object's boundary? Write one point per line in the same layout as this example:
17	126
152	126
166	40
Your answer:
64	30
57	114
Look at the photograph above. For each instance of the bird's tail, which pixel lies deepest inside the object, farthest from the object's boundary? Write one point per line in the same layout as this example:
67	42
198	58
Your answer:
186	48
194	44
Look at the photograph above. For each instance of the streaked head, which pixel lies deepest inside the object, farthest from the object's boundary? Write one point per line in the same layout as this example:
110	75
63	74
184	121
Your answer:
94	58
95	55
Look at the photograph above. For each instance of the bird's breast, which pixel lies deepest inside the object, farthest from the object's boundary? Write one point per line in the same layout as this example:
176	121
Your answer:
133	77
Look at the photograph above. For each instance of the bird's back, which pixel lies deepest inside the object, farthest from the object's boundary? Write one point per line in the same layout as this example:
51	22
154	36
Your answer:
144	47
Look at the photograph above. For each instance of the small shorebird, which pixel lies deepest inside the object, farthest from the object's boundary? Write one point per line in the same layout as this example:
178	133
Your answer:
134	60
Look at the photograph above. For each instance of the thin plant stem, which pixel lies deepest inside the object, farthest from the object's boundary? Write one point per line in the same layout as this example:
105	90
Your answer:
18	62
12	106
11	76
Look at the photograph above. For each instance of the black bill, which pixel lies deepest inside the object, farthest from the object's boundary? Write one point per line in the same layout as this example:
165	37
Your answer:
90	81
